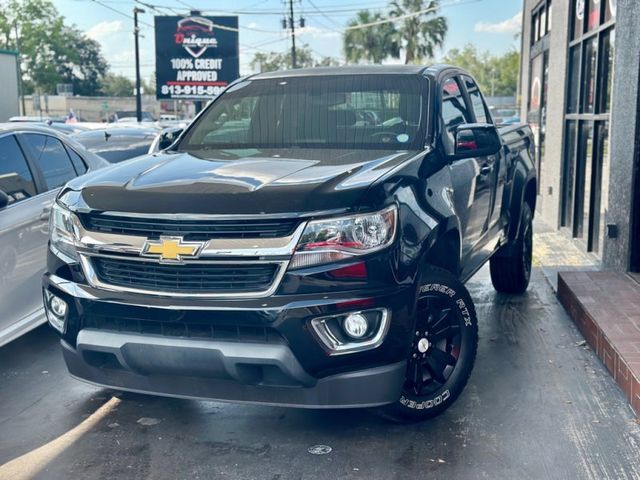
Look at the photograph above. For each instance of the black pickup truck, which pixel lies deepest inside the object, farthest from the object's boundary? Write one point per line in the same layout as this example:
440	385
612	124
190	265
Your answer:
304	242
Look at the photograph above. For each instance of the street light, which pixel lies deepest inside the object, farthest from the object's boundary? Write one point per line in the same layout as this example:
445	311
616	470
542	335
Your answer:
136	32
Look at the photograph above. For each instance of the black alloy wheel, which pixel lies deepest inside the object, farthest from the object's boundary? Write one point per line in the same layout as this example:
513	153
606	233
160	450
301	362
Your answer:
442	351
436	346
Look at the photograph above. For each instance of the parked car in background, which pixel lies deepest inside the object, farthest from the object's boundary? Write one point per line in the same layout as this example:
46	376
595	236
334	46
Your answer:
130	115
35	162
116	144
66	128
505	116
29	119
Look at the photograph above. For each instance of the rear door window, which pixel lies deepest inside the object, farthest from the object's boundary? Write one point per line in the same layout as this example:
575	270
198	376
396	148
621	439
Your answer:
15	177
477	102
52	159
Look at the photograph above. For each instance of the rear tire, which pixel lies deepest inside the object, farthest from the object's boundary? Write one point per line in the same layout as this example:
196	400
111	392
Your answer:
443	349
511	272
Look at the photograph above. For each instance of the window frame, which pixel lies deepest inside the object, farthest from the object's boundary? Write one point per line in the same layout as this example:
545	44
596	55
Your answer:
82	159
487	112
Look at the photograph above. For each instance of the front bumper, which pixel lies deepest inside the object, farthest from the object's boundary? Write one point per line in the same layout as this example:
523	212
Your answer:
285	366
266	374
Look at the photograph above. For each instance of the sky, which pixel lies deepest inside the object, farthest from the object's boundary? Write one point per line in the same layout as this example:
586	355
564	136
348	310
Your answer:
488	24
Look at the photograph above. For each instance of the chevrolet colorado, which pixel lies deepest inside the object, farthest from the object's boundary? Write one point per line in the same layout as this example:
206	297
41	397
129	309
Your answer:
304	242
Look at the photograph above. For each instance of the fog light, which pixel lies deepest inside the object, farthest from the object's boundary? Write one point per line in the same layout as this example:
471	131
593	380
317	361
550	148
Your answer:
56	310
351	332
58	306
356	325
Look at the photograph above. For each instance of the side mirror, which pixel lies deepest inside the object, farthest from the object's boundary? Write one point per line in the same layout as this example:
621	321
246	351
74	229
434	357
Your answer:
476	140
4	199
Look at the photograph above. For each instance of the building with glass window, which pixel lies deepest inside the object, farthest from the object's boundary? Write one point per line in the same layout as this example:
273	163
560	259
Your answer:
579	91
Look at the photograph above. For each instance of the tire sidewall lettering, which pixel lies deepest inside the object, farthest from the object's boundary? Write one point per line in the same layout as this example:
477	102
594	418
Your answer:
451	293
426	404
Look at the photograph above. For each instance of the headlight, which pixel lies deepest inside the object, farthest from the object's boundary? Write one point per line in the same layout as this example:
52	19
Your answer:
330	240
64	231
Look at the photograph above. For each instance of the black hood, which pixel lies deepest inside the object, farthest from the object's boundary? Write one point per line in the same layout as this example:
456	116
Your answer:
238	181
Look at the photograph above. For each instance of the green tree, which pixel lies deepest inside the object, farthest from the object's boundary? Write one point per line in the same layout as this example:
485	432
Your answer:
50	51
497	74
371	44
149	86
114	85
272	61
420	34
413	26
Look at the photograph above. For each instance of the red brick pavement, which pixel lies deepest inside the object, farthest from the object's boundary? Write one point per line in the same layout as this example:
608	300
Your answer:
605	306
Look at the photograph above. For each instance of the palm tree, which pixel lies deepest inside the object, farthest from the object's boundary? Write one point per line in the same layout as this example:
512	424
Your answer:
419	35
370	44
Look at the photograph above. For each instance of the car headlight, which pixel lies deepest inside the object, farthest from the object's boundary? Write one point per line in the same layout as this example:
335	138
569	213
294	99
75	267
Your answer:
330	240
64	231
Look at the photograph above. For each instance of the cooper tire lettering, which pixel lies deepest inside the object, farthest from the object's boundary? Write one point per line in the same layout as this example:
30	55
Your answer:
426	404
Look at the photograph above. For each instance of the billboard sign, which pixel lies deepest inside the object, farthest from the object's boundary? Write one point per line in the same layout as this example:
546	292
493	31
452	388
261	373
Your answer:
196	57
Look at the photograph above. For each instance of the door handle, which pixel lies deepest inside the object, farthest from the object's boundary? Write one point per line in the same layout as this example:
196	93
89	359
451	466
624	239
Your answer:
486	170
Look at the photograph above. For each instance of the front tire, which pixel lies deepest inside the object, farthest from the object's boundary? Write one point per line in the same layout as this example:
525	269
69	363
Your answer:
443	349
511	269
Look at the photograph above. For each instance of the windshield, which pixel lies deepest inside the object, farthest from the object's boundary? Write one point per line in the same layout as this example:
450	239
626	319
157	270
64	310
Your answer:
355	112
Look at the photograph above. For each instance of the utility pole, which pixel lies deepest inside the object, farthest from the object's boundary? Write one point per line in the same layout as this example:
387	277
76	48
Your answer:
292	25
289	23
197	104
136	33
19	65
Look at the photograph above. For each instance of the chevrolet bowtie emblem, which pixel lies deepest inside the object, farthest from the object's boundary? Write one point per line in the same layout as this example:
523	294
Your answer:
171	249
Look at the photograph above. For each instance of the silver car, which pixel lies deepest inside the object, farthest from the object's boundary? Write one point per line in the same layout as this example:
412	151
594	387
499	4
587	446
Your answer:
35	162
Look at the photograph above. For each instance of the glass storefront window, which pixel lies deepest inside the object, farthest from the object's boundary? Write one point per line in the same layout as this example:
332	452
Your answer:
589	75
609	10
579	8
568	173
600	187
549	15
606	71
593	16
583	179
585	164
543	22
574	78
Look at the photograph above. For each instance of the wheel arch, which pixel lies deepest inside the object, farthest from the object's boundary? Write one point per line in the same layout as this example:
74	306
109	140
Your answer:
525	190
444	249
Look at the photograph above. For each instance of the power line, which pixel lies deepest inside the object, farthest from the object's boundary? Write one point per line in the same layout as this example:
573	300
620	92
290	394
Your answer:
407	15
119	12
331	20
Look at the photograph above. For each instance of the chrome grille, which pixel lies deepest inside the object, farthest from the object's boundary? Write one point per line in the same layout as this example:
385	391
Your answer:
189	229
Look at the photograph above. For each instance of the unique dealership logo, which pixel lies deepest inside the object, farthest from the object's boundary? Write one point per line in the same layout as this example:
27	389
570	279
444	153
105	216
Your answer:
580	9
171	249
195	34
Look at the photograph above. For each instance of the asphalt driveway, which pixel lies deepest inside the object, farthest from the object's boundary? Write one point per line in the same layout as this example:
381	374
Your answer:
539	405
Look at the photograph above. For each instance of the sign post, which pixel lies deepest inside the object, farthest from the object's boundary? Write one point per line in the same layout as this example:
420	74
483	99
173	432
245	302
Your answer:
196	56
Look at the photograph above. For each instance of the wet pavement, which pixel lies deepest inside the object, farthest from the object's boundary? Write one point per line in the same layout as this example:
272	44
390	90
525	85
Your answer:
539	405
